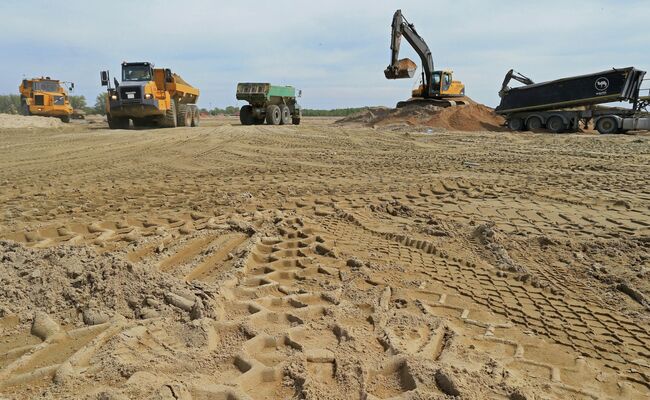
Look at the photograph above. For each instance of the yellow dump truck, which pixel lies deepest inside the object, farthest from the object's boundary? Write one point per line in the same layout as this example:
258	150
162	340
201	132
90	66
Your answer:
149	96
45	97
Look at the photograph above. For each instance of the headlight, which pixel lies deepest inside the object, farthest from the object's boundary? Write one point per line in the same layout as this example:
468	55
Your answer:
114	97
147	96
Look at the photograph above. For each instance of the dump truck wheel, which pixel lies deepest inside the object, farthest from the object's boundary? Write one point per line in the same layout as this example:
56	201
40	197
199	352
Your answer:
65	119
555	124
295	121
273	115
285	114
24	109
516	124
606	126
246	115
196	116
184	116
169	120
118	123
534	124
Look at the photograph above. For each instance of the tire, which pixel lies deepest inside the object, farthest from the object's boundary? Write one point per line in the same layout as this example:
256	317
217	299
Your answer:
24	109
184	116
273	115
169	120
534	124
196	116
246	115
295	121
607	126
516	124
65	119
117	123
556	124
285	115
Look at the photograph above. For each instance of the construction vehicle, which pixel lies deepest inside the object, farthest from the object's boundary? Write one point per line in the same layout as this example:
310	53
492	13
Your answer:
150	96
562	105
435	87
45	97
276	105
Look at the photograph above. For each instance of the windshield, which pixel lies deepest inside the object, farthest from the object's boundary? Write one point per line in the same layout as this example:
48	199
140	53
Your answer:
136	73
46	86
436	79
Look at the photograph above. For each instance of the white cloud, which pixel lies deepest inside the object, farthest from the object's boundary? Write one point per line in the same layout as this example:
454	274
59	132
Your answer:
334	51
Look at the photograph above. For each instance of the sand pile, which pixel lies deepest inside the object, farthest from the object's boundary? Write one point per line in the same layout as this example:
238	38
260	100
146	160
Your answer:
10	121
471	117
75	283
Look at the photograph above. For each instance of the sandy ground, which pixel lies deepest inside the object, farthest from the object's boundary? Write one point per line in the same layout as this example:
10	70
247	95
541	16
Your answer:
322	262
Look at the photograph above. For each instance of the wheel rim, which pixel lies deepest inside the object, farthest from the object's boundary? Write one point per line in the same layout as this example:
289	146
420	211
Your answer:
555	124
607	125
534	123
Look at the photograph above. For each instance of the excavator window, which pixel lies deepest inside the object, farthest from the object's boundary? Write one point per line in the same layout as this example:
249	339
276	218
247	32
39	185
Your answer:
436	79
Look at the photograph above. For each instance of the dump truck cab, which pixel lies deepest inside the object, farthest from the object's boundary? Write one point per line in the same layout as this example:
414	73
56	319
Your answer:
149	96
45	97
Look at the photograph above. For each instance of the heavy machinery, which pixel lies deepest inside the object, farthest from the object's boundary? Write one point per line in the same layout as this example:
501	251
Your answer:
276	105
564	104
150	96
45	97
435	87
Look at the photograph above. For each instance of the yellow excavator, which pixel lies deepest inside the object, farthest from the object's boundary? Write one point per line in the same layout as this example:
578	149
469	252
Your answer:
435	87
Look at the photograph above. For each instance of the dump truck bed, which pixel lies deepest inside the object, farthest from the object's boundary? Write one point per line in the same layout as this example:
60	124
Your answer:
260	92
584	90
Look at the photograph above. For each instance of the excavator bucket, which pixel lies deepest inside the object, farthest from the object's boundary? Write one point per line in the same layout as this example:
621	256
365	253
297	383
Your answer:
405	68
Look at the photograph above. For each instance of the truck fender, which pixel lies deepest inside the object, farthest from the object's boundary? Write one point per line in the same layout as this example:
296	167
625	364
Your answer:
619	120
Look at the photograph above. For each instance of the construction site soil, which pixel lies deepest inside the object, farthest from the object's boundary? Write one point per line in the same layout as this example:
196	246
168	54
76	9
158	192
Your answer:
329	260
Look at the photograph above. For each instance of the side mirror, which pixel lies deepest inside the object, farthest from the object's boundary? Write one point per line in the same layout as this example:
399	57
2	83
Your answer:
104	78
25	83
168	76
299	93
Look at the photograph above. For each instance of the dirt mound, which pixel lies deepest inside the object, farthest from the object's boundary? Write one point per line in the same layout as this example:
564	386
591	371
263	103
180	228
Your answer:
10	121
471	117
67	281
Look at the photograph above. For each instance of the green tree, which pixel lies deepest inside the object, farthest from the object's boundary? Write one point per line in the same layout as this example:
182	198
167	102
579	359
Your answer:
100	104
9	103
78	102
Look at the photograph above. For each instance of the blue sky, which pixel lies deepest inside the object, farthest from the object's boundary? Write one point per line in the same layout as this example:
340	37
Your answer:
334	51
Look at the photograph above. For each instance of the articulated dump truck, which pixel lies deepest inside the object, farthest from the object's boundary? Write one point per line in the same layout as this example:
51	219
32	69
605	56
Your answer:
562	105
276	105
45	97
149	97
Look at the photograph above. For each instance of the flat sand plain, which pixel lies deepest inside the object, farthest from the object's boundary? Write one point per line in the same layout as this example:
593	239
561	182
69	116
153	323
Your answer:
322	261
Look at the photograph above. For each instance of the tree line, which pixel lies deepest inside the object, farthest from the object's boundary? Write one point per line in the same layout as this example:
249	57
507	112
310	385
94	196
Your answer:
10	104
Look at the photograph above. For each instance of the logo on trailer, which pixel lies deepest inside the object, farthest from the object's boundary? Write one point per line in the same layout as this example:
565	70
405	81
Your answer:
602	84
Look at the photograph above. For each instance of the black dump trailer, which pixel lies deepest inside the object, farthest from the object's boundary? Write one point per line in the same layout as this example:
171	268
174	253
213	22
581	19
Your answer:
561	105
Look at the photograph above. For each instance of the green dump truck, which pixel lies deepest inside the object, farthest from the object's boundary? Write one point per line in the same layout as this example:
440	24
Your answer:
276	105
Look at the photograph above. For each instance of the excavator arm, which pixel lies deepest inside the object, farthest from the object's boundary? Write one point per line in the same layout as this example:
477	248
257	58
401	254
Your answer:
405	68
512	74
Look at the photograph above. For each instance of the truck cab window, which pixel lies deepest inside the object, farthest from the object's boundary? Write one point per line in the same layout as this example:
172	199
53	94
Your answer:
136	73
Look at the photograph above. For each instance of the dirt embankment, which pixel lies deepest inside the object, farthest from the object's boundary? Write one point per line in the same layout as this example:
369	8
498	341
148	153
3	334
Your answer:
9	121
470	117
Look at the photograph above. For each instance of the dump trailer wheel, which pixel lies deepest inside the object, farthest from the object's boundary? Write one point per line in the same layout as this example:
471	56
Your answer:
607	126
534	124
515	124
196	116
295	121
285	114
117	122
246	115
273	115
169	120
184	116
556	124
